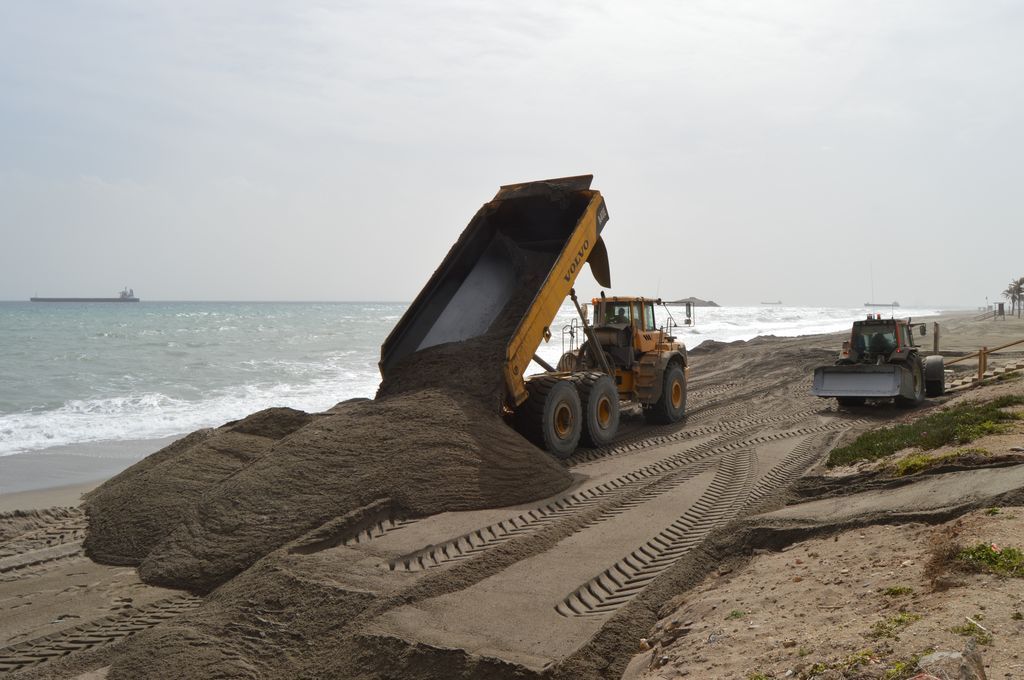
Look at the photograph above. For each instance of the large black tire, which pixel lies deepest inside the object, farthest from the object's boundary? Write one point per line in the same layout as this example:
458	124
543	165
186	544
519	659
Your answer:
917	369
551	416
671	406
600	401
934	376
850	401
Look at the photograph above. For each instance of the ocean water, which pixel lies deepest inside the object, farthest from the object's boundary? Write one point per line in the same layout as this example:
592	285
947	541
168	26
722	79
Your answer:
76	373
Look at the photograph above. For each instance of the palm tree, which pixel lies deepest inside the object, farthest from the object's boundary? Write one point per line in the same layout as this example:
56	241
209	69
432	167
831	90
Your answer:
1018	289
1011	296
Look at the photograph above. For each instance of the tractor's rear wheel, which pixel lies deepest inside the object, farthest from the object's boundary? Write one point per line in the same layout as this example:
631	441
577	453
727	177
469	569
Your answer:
671	406
551	415
934	376
600	401
917	370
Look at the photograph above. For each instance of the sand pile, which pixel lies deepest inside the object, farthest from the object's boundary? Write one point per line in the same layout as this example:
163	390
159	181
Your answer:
135	510
206	508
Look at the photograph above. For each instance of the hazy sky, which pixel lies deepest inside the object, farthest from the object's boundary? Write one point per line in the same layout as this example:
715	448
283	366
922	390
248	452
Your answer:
747	151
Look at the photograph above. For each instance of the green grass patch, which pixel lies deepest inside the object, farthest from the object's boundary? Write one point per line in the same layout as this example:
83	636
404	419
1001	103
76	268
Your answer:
905	668
993	511
920	461
862	658
735	614
957	425
1017	616
973	630
851	663
758	675
818	669
897	591
891	626
992	558
1006	377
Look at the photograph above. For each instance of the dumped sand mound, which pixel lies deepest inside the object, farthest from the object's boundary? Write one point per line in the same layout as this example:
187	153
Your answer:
206	508
132	512
423	451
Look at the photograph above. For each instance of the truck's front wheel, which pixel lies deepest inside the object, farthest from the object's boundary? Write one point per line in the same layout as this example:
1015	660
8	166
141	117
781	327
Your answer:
552	416
671	406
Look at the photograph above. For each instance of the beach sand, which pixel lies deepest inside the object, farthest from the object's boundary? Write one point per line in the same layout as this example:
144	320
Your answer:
73	465
322	606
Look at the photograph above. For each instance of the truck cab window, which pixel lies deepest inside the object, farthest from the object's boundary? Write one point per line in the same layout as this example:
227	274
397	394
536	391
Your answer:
649	323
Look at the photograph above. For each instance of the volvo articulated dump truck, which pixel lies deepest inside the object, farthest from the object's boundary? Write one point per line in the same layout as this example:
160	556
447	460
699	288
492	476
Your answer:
507	276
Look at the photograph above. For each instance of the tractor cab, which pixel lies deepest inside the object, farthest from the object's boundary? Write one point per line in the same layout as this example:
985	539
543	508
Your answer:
876	340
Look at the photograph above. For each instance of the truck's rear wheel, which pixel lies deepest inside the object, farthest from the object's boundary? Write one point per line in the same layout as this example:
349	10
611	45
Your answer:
934	376
600	401
671	406
551	416
917	370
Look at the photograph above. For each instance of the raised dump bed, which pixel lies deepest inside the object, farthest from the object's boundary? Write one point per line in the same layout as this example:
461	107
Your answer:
507	275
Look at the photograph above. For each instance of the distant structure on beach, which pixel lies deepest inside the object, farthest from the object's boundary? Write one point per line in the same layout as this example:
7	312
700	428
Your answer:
882	304
777	302
696	302
126	295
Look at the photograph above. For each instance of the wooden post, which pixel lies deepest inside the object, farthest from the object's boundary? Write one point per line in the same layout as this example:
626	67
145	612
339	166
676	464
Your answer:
982	362
935	337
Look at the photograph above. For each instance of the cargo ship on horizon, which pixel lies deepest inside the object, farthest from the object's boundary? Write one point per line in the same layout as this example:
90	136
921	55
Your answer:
126	295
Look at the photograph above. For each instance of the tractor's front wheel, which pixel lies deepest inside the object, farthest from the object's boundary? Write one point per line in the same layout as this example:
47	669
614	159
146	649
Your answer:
917	370
934	376
671	406
552	416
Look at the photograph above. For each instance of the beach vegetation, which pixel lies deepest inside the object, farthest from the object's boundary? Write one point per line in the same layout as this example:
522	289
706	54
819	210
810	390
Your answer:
861	658
735	614
1014	292
956	425
905	668
919	462
851	663
889	628
971	629
897	591
818	669
989	557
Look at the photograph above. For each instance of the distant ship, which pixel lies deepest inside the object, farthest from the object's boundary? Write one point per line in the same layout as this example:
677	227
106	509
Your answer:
777	302
126	295
882	304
